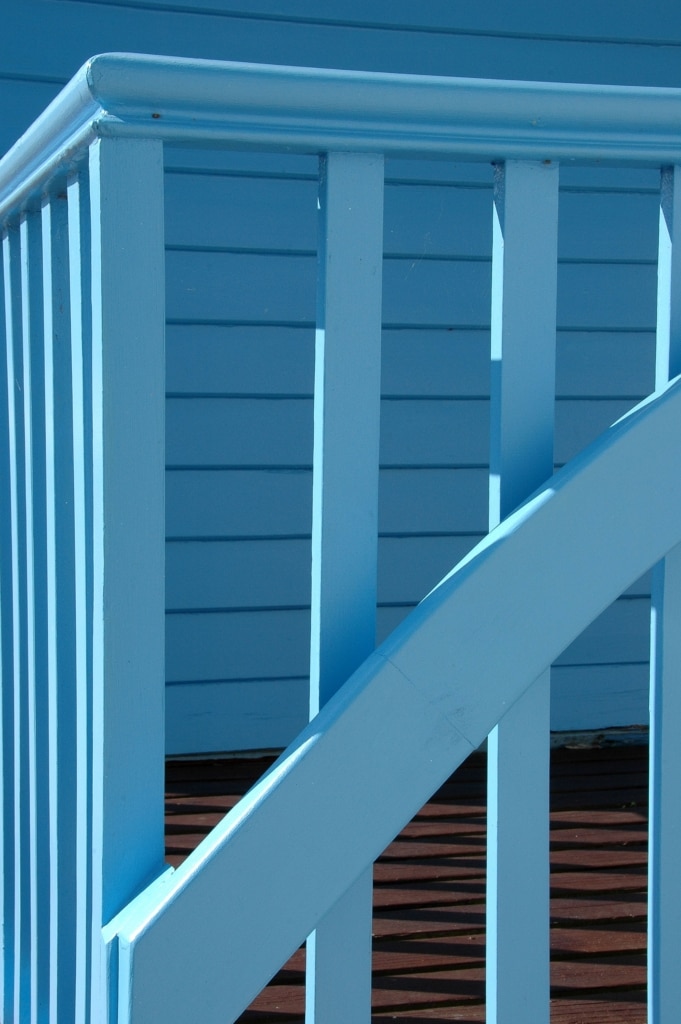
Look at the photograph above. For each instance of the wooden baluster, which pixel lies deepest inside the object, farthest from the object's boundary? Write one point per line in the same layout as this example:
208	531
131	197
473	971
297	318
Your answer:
79	426
344	527
35	356
17	678
664	843
6	710
31	400
123	493
60	609
524	267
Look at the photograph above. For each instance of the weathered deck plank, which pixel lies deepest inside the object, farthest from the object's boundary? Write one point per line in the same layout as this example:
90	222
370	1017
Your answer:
429	913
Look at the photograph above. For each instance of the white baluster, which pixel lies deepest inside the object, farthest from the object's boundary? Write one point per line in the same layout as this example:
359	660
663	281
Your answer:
664	843
60	609
79	429
31	406
18	678
6	711
35	358
345	527
524	268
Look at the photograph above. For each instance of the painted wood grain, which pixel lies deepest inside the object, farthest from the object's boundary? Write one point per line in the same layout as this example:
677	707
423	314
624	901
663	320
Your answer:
247	361
266	643
208	287
277	214
277	503
277	432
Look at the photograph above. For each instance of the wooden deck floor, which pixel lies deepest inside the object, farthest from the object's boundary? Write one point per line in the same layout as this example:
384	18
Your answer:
429	891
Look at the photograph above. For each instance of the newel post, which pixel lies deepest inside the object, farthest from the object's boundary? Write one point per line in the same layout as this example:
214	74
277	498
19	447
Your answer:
126	570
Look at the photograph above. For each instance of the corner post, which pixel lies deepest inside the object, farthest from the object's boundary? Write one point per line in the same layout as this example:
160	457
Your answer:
124	374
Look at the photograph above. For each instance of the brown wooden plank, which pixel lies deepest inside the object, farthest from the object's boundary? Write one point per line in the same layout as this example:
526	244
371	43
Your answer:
401	922
433	846
455	950
618	907
628	937
422	954
634	879
462	1015
445	828
470	809
633	835
613	972
598	858
433	895
603	817
629	1008
429	870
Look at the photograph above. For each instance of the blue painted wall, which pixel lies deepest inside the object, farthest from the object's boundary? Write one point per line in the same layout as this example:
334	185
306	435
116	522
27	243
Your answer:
241	277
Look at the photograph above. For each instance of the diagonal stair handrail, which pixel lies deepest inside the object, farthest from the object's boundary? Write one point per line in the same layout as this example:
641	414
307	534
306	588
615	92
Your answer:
242	903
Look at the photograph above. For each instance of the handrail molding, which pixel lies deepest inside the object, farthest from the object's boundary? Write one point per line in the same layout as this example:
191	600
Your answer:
311	110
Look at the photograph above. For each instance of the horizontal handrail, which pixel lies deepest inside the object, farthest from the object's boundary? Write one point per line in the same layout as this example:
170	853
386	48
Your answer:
402	723
314	109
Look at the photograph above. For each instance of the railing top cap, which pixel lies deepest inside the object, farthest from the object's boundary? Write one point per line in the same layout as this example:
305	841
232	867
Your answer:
312	110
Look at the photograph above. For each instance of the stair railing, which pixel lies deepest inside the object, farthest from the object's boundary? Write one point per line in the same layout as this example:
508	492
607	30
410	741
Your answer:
81	543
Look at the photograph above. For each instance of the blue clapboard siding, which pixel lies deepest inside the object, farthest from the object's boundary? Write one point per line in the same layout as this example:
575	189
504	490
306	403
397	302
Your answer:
593	46
206	505
241	242
224	433
246	360
211	647
526	18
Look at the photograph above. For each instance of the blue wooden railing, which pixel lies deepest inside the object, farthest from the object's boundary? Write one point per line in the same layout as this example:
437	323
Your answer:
94	927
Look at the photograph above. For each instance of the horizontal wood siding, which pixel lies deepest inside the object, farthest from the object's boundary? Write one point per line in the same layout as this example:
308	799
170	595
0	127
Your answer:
241	265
